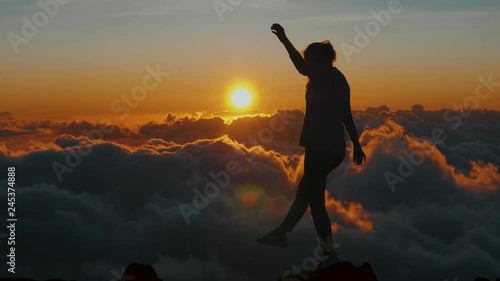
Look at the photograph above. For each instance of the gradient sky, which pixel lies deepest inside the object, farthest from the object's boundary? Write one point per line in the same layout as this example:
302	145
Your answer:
93	51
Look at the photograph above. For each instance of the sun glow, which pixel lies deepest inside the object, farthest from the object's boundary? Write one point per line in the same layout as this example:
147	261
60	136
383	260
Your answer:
241	97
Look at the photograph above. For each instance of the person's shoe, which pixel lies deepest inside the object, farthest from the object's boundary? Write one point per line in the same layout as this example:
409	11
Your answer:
274	238
329	259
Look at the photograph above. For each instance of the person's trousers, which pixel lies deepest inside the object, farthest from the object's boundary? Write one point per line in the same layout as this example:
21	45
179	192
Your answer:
311	191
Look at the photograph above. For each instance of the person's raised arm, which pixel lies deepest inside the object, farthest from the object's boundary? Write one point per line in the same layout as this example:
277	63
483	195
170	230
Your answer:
358	154
297	59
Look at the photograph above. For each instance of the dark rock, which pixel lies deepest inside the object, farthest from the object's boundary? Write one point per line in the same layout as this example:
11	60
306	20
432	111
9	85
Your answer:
345	271
140	272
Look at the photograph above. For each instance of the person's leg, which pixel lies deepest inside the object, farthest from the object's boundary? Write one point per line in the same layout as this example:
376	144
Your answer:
324	163
297	210
317	166
299	206
316	185
320	164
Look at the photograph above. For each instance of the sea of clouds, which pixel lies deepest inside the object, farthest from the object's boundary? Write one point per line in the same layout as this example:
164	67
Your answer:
426	205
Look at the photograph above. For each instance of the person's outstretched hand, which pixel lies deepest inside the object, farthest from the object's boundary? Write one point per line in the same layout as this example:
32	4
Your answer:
358	155
279	31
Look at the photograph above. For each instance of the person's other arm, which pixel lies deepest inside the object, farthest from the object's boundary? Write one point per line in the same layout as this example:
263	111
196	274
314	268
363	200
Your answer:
349	124
358	154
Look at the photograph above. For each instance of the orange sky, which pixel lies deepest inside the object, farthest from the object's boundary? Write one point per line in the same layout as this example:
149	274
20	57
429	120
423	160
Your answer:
84	60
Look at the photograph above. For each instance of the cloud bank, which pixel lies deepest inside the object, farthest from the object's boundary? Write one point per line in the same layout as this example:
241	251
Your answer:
119	197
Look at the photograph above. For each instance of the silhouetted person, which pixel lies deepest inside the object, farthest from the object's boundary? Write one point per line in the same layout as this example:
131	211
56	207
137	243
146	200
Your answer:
328	110
140	272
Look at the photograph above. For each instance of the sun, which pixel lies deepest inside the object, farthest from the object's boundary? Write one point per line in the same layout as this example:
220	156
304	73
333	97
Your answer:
241	98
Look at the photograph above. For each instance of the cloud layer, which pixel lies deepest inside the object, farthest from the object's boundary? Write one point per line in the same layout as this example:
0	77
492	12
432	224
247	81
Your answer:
422	208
